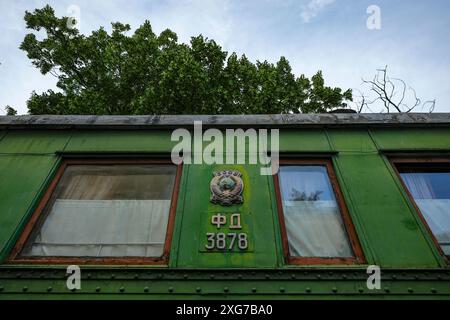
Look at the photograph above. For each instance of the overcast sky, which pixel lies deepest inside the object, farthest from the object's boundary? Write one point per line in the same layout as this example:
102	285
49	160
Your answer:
327	35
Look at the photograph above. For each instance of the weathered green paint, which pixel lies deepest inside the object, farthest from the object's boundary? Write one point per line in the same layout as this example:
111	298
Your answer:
33	142
237	284
387	225
304	140
384	214
255	217
412	138
21	180
121	141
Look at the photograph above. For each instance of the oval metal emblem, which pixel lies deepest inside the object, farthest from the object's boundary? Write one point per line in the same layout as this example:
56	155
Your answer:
226	188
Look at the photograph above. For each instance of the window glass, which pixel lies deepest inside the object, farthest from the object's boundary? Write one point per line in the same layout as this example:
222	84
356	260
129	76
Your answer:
314	225
430	189
106	211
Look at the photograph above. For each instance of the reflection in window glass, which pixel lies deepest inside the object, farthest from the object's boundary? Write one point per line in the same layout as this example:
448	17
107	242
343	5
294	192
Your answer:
106	211
313	221
431	192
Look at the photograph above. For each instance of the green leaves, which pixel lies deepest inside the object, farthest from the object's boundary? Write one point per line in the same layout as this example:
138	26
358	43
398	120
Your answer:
143	73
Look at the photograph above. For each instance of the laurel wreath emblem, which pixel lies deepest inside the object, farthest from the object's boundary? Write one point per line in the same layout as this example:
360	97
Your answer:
226	188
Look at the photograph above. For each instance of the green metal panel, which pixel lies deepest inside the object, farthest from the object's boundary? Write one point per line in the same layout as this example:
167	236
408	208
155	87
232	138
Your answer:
352	141
416	138
220	284
36	142
386	224
383	215
303	140
131	141
256	216
392	232
21	179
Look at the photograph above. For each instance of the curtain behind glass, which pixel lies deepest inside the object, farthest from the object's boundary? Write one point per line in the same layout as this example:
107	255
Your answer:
313	221
107	211
431	192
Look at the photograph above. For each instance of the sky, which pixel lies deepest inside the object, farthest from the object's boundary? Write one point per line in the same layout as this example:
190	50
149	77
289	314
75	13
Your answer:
347	39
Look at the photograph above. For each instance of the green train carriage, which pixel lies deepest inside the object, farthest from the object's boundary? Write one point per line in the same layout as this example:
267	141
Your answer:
102	193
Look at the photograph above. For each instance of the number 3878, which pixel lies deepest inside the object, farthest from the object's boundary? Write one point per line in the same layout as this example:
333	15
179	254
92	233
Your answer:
226	241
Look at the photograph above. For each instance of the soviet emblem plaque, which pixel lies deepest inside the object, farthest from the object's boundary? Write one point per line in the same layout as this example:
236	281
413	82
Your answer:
226	188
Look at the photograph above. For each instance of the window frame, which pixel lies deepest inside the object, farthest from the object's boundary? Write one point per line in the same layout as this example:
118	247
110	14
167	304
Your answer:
48	199
358	257
414	160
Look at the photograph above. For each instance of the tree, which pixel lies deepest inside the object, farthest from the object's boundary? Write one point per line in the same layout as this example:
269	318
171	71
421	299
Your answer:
10	111
391	94
145	73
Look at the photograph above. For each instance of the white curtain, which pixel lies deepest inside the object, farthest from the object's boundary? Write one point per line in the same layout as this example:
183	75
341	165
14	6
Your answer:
312	217
103	228
435	211
106	211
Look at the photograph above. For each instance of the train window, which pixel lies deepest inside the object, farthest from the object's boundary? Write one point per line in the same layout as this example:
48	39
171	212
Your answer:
99	210
316	228
428	185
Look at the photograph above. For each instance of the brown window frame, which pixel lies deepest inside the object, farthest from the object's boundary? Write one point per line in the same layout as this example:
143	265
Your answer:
411	161
48	199
358	257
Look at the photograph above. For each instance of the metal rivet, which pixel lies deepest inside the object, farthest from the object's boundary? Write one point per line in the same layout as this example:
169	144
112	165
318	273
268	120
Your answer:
253	289
387	289
334	289
344	276
308	290
170	289
185	276
318	276
394	276
282	289
198	289
433	290
410	290
211	276
136	276
225	289
98	289
25	289
49	289
239	276
113	276
121	289
89	275
293	276
267	276
146	289
360	290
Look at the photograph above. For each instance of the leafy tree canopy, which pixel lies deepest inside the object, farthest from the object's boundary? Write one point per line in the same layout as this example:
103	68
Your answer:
145	73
